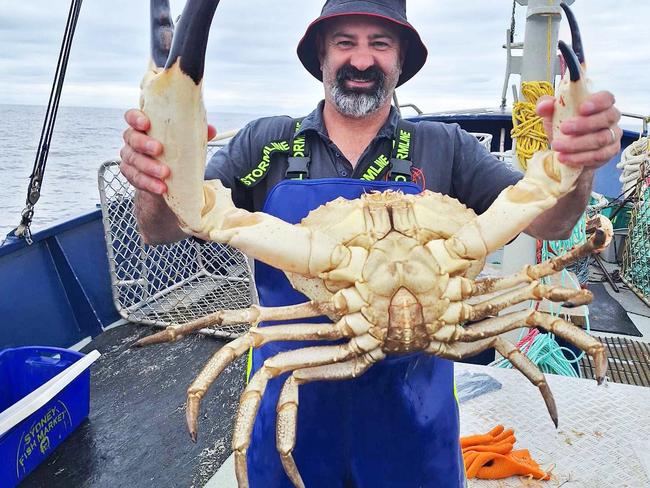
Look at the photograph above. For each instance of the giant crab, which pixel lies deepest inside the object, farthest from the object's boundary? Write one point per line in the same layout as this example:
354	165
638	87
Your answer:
394	272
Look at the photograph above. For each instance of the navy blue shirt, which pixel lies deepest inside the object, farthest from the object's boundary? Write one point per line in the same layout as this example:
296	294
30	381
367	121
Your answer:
451	161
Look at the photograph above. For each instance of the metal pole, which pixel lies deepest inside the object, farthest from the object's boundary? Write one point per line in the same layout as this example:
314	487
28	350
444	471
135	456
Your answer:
540	42
539	63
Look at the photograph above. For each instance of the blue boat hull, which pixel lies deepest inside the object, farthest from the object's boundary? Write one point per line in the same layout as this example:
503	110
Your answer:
57	291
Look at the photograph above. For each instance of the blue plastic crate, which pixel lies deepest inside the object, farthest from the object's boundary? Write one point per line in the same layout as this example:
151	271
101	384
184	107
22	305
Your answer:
44	397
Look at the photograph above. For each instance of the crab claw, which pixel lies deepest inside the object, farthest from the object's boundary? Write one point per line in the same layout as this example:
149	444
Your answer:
191	38
576	38
603	232
572	61
162	31
573	89
172	100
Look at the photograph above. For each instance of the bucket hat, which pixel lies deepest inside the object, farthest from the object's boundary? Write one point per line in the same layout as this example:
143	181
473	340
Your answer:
393	11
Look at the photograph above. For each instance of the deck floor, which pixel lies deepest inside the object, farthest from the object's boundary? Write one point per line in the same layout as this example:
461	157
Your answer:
628	361
136	434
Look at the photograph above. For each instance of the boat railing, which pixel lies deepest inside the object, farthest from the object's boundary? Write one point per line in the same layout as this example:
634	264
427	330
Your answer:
167	285
645	121
220	141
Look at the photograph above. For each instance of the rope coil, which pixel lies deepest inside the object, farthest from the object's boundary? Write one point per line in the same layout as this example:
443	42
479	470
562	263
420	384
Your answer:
632	158
528	130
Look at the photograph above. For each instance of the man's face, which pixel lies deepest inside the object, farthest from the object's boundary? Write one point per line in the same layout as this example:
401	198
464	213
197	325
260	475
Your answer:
361	58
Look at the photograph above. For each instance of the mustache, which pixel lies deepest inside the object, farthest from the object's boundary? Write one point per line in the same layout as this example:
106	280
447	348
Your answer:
349	72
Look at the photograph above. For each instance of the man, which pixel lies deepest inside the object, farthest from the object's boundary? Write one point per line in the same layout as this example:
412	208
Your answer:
396	425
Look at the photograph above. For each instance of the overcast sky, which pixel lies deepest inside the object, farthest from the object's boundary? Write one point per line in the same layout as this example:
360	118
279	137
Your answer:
251	64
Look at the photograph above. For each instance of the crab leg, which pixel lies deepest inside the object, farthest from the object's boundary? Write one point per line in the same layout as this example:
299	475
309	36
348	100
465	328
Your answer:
459	288
288	402
460	350
349	326
577	336
530	318
536	272
461	312
227	354
546	179
173	101
275	366
570	297
252	315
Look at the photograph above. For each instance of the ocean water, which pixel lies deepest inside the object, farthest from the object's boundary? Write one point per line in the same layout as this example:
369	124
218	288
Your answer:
83	138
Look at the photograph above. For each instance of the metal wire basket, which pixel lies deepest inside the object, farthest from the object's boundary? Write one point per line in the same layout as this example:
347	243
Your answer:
172	284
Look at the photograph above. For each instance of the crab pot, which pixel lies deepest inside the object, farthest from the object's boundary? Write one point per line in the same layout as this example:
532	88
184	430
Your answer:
27	440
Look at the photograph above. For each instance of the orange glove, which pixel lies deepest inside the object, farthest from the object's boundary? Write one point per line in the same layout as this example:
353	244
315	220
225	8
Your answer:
491	456
498	435
495	466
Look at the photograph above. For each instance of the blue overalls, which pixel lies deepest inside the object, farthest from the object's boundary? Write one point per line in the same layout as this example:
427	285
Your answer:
396	426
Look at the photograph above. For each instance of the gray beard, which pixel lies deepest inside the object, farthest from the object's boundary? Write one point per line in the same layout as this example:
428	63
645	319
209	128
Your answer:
357	105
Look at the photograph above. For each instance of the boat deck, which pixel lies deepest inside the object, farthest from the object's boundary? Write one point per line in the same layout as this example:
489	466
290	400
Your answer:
603	438
628	361
628	356
136	434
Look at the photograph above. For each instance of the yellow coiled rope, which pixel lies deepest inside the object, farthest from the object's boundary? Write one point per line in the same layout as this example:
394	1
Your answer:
528	127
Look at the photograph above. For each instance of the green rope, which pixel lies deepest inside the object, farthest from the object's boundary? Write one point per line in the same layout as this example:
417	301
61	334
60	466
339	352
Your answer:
545	352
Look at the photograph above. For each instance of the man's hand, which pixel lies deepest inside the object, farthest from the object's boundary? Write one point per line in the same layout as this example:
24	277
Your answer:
590	139
140	165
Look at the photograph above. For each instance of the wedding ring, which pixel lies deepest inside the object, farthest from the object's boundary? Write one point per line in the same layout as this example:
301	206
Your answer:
611	131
